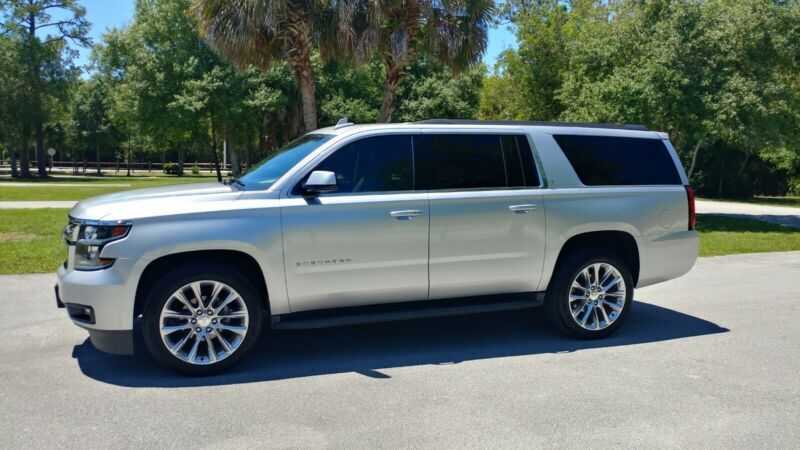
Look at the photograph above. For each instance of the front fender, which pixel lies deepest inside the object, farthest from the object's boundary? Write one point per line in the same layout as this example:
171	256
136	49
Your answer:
255	232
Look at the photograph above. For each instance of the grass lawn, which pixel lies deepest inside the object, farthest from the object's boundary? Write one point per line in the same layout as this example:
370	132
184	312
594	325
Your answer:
30	239
727	236
50	190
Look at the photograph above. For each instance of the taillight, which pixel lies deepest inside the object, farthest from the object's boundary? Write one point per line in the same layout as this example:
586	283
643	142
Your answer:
692	214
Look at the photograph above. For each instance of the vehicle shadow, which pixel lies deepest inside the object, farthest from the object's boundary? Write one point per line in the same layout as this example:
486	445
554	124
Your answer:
366	349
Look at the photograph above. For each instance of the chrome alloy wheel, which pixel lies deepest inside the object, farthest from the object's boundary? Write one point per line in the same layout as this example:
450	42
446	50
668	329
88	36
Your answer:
203	322
597	296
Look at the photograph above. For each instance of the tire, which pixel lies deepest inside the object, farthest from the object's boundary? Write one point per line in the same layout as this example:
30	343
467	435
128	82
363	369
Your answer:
600	318
216	328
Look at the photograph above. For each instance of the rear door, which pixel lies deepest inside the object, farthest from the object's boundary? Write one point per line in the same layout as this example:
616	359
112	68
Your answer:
486	213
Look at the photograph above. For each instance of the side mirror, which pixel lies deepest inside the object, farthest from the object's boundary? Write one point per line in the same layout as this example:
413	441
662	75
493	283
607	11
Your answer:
319	182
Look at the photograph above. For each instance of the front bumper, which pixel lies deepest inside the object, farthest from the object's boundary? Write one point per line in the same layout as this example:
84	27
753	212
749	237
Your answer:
117	342
102	303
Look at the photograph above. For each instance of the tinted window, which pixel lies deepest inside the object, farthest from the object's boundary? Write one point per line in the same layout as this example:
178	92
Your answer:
605	160
374	164
520	167
459	161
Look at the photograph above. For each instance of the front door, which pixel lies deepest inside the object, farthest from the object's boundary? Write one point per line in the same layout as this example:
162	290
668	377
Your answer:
487	219
366	243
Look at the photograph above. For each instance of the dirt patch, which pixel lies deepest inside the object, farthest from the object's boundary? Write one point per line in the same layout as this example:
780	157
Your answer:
15	236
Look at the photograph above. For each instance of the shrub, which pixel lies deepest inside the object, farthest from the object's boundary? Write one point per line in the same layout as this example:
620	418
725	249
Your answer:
171	168
195	170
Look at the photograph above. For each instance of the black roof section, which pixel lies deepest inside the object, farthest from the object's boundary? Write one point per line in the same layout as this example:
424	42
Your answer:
532	123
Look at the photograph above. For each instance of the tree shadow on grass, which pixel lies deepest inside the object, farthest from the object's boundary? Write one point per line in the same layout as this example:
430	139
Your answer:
366	349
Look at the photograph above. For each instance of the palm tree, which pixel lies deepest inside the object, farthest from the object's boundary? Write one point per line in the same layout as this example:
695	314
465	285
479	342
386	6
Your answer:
451	32
254	32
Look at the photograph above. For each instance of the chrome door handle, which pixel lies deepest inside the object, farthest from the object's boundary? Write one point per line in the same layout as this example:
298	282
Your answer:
522	209
406	214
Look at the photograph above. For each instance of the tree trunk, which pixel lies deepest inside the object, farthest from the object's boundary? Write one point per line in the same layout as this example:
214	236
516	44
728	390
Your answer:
741	168
307	98
398	57
393	76
299	26
229	144
263	141
248	150
13	161
181	152
128	159
97	155
41	156
694	159
214	156
24	162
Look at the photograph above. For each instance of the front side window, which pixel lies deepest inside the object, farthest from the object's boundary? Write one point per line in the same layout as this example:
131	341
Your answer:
274	166
372	164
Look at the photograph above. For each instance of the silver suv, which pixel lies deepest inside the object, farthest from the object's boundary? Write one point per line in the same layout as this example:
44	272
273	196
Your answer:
361	223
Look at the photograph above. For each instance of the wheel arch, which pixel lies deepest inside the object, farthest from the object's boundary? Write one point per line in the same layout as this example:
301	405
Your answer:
245	262
621	243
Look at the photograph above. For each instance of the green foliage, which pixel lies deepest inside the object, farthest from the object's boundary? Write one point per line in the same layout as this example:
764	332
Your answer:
720	76
171	169
195	170
501	100
90	126
37	70
349	92
433	91
430	90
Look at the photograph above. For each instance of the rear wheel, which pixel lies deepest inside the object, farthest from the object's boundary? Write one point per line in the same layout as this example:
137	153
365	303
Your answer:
590	294
202	318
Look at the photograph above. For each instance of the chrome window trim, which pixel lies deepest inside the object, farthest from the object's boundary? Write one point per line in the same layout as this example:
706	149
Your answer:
333	148
289	181
512	132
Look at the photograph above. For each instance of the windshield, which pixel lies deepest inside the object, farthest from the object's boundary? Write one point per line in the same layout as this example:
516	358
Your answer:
274	166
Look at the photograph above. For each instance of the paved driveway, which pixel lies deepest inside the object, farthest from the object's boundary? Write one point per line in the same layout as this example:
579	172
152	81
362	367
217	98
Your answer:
782	215
708	360
37	205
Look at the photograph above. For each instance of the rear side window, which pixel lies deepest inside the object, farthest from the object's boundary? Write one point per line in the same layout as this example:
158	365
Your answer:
373	164
473	161
619	161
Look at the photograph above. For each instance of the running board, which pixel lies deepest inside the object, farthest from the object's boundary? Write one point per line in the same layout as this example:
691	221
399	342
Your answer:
337	317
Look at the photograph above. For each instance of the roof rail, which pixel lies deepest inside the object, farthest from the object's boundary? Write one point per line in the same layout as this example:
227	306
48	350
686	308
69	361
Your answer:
343	122
532	123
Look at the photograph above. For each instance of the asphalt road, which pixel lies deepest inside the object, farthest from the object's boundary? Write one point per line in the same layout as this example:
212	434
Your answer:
708	360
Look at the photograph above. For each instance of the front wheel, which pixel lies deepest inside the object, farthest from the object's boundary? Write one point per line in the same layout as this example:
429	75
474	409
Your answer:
201	319
590	294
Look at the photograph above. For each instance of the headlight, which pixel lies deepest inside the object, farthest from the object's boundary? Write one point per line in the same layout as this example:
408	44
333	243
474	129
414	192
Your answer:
89	238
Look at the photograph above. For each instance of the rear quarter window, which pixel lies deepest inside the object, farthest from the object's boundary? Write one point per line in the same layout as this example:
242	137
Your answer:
619	161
